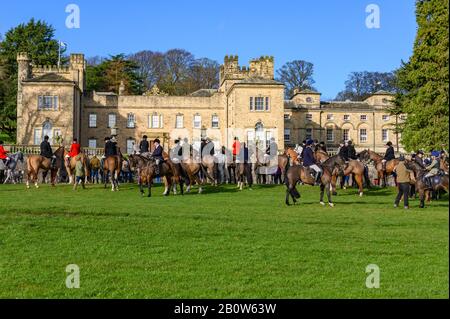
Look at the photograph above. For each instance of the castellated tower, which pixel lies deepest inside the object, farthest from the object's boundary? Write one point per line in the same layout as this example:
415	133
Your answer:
24	73
78	67
262	68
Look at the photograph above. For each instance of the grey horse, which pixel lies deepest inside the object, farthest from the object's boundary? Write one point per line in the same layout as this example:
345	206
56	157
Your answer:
12	175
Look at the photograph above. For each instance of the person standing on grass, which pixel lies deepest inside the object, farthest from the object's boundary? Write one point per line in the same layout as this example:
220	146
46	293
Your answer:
95	167
79	175
403	182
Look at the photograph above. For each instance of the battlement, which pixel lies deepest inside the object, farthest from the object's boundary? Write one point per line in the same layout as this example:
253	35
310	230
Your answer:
262	67
77	59
50	69
23	56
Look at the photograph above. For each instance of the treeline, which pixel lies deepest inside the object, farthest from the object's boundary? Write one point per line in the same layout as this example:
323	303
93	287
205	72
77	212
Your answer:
175	72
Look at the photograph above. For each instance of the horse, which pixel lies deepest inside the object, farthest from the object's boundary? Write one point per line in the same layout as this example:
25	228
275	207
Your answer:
38	162
138	162
112	165
14	159
282	162
439	182
299	173
70	166
368	155
147	174
292	155
244	175
354	167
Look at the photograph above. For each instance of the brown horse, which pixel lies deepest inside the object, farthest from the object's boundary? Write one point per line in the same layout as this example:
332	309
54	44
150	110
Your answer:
113	166
147	174
244	175
354	167
38	162
368	155
292	155
440	182
138	162
70	166
299	173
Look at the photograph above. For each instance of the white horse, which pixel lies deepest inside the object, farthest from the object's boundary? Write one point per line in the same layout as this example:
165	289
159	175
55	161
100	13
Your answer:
12	174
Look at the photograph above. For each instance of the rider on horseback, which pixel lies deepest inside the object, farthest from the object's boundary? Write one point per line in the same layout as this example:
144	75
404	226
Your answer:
144	145
351	152
389	155
433	169
47	152
3	154
75	149
157	155
309	161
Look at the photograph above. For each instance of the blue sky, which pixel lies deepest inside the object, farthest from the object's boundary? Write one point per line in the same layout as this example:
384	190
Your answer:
332	34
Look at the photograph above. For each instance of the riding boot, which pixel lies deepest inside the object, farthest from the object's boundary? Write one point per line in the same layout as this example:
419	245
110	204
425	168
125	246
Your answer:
318	176
157	169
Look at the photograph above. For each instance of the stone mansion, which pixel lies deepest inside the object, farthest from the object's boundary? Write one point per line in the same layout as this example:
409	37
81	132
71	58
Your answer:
249	103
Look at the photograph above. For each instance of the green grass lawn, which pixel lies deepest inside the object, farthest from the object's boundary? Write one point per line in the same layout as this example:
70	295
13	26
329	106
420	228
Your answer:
220	244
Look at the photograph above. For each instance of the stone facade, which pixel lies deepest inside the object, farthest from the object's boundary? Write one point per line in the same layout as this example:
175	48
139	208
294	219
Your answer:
249	103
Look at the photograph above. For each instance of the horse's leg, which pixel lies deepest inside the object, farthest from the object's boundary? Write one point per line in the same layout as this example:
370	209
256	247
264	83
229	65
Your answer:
333	184
105	180
141	189
149	186
330	202
322	190
421	198
359	182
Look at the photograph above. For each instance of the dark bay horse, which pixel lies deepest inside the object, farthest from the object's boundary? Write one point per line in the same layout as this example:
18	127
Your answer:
148	173
299	173
139	162
368	155
439	182
35	163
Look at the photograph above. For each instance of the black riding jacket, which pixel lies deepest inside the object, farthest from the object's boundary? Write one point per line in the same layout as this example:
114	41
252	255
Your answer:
46	149
110	149
144	146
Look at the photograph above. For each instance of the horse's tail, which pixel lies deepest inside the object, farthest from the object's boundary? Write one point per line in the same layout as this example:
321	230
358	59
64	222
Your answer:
205	172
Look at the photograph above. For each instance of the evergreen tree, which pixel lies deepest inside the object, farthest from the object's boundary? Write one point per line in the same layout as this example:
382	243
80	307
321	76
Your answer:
35	38
424	81
108	75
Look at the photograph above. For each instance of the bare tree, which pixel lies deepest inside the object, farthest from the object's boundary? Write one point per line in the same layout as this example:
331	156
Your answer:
297	74
361	85
203	74
152	67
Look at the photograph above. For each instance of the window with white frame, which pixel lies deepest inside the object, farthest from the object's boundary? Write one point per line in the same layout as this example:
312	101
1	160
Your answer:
345	134
179	121
308	116
215	121
37	136
362	135
309	133
363	117
154	121
48	102
131	120
92	143
267	103
384	135
330	134
385	117
346	117
259	103
130	145
111	120
287	134
92	120
197	121
330	117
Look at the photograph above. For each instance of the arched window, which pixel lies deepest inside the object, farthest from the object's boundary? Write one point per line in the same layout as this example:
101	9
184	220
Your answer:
47	130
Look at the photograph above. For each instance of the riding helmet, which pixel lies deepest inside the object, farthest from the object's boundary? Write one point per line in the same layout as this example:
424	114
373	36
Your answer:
157	141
